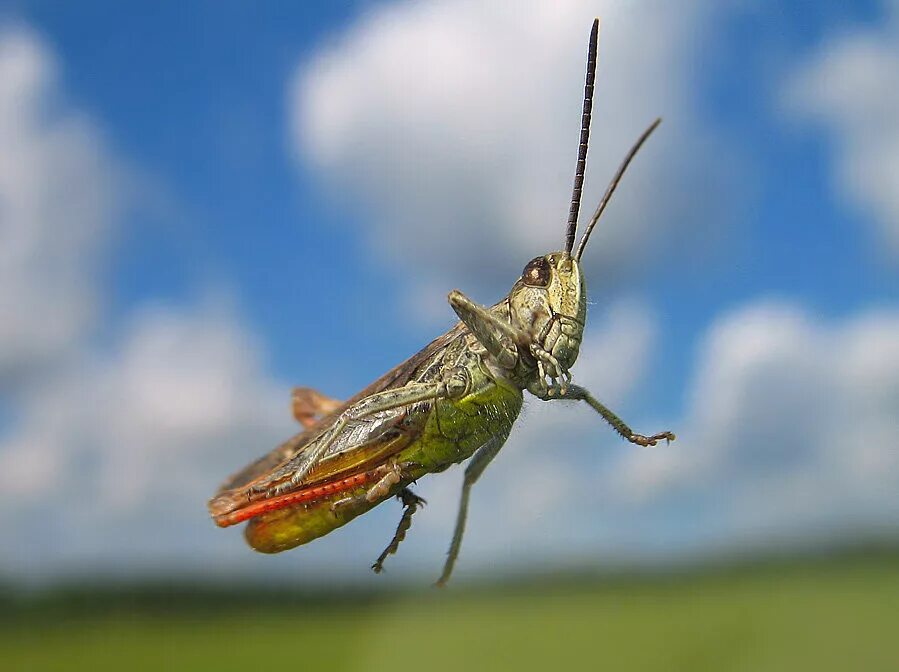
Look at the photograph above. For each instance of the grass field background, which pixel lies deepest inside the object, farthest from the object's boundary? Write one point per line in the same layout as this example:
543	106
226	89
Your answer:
833	614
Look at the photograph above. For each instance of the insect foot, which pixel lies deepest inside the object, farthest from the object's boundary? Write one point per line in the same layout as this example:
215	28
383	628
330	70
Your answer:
641	440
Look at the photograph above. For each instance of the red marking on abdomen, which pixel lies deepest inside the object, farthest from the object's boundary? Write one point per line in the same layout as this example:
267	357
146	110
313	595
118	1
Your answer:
297	497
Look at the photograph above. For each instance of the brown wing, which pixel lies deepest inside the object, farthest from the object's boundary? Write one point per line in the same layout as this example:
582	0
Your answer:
389	438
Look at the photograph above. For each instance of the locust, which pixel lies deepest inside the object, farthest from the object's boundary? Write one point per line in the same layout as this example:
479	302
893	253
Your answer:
455	400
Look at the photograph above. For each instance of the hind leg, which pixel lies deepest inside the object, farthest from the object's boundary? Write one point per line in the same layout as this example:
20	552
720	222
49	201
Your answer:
412	503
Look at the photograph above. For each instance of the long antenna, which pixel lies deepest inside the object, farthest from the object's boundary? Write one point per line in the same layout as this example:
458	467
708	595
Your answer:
614	185
585	137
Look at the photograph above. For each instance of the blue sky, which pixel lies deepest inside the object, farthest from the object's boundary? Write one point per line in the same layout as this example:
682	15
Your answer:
207	204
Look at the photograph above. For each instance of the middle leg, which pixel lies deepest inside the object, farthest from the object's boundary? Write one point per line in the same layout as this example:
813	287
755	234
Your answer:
473	471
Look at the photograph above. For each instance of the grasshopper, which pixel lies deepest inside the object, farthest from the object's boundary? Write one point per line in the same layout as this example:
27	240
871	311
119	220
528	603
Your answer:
456	399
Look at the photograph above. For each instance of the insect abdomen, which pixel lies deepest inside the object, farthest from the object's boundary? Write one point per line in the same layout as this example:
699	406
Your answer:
289	527
453	431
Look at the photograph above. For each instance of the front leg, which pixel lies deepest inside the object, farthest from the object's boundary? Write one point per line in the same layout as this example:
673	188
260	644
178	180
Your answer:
504	343
578	393
497	336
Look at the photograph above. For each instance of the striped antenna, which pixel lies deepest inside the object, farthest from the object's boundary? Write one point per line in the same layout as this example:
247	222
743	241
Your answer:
585	137
612	186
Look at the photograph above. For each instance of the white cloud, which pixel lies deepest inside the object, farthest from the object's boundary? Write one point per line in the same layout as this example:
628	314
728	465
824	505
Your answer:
58	198
454	125
850	86
792	425
108	450
120	453
618	348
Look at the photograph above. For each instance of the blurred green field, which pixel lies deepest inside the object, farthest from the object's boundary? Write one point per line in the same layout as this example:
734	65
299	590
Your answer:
817	616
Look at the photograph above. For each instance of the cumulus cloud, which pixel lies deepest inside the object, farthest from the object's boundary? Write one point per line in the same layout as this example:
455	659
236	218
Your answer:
791	428
454	124
107	450
58	200
117	457
850	87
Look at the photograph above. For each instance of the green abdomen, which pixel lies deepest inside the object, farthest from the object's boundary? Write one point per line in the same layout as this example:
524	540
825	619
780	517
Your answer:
453	431
457	428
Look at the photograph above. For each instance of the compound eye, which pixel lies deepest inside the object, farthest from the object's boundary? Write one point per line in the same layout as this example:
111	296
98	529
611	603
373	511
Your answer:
536	273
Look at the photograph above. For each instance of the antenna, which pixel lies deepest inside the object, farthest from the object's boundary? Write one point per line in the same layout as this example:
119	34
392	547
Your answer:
614	185
585	137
